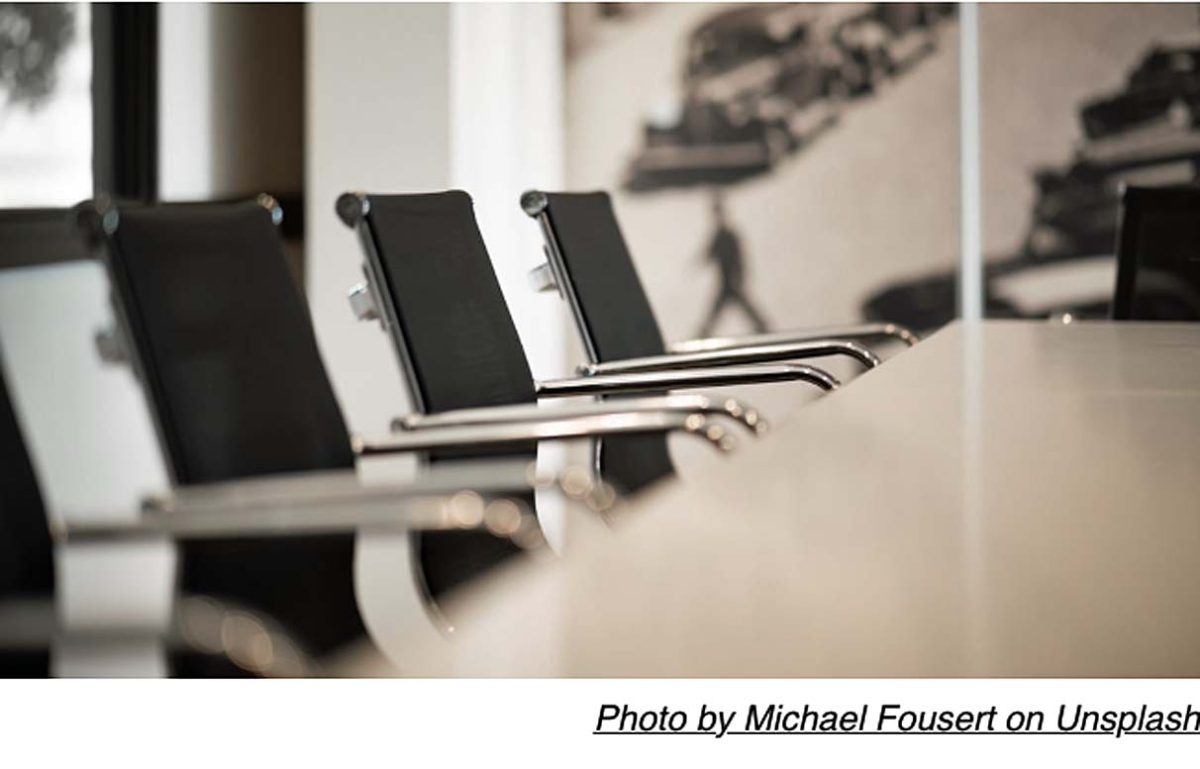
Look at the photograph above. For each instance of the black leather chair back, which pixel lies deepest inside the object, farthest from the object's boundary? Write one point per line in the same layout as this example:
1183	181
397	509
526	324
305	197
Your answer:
617	317
225	342
455	329
456	342
617	321
1158	254
228	357
462	347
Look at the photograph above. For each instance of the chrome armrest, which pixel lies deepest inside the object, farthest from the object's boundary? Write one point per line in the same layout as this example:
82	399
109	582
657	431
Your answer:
674	379
457	495
563	428
759	353
397	512
305	503
344	487
855	332
682	404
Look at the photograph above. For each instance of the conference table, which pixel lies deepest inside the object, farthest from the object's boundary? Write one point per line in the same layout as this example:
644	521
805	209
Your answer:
1007	498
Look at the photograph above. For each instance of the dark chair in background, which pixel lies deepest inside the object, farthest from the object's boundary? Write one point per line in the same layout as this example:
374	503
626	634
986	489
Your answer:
431	283
1158	254
589	264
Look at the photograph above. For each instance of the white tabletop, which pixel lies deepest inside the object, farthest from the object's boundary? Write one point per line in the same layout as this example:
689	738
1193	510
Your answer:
1006	498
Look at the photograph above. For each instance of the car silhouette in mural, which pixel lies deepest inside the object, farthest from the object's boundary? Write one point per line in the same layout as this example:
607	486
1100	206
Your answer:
1065	263
763	80
754	87
1154	117
1164	87
884	40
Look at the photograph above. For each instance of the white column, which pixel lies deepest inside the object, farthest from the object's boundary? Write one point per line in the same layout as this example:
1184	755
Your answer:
507	137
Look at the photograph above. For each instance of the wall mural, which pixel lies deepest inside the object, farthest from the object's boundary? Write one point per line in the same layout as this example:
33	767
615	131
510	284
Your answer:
1075	101
763	167
759	84
784	165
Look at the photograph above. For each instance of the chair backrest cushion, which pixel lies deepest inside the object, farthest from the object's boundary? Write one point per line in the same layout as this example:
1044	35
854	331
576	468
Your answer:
463	348
618	318
228	350
1158	254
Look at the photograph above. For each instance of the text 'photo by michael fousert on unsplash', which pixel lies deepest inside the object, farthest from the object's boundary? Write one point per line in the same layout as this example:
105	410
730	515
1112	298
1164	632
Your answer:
896	719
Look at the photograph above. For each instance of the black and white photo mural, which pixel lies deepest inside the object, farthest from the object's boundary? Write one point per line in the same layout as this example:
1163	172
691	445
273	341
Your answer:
787	165
772	165
1075	99
45	104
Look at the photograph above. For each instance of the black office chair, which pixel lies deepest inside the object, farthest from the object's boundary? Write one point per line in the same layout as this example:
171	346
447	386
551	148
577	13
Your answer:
590	266
222	345
219	334
431	284
1158	254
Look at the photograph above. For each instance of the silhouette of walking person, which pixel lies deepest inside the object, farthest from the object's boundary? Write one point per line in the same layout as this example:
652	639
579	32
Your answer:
725	249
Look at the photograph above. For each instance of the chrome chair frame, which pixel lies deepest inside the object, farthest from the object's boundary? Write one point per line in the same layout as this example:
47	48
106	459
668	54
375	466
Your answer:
845	340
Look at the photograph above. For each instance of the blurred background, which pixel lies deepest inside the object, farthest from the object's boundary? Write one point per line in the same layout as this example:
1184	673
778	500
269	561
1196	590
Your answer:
773	166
